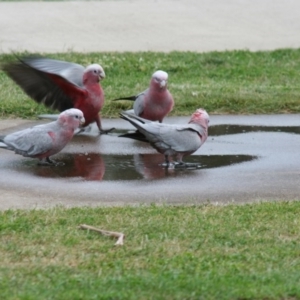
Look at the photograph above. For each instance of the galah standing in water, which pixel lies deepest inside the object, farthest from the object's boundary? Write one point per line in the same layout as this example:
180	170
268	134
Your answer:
42	141
171	139
61	85
154	103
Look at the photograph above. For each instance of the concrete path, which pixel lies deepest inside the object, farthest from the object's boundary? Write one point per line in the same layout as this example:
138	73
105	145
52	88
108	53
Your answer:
149	25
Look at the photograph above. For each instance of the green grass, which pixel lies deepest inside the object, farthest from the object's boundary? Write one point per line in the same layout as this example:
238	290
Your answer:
237	82
186	252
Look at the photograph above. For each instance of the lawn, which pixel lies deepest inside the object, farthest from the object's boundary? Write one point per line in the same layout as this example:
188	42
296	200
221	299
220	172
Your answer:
171	252
233	82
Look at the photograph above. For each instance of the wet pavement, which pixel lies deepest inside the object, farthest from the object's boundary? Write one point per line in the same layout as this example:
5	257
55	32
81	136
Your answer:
246	158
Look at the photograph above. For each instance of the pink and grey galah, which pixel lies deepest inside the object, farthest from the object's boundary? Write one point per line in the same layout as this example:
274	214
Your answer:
156	102
61	85
171	139
44	140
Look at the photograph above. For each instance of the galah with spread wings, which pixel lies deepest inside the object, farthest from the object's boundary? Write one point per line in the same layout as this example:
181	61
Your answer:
155	102
61	85
42	141
171	139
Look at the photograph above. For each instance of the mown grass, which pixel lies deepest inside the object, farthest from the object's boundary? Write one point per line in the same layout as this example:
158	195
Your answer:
186	252
237	82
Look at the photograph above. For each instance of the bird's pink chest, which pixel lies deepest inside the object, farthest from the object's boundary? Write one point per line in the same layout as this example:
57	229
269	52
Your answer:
92	103
157	106
95	97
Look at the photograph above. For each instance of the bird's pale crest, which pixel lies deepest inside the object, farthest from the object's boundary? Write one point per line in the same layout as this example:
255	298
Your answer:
97	69
199	115
160	75
74	112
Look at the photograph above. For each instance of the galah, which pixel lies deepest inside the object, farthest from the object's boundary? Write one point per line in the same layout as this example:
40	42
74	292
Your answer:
44	140
154	103
61	85
171	139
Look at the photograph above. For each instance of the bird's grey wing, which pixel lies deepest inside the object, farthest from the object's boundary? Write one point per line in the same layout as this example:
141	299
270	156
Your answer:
154	133
142	133
41	85
139	103
193	127
70	71
182	140
30	142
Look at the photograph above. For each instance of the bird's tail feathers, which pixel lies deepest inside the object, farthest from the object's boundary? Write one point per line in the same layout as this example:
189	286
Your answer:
2	144
135	135
132	119
130	115
48	117
131	98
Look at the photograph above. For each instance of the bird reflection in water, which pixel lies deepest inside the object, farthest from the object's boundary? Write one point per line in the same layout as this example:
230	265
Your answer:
149	166
88	166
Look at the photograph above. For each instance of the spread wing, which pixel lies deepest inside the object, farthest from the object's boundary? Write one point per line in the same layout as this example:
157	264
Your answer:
56	84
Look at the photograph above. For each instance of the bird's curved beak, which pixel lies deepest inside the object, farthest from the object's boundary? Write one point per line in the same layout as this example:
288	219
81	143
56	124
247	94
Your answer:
163	83
82	121
101	75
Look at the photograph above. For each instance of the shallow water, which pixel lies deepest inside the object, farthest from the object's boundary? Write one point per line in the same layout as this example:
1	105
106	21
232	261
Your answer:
98	167
86	163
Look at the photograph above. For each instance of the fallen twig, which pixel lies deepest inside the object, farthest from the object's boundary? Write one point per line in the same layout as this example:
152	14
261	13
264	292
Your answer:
119	235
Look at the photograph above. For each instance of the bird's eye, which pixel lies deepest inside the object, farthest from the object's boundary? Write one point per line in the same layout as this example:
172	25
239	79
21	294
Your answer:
95	71
77	117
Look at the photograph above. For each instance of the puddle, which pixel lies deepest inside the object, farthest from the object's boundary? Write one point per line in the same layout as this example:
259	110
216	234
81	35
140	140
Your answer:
235	129
97	167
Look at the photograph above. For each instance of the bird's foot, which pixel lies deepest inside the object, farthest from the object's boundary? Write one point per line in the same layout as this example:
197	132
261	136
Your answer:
83	129
106	131
183	165
78	131
49	162
168	165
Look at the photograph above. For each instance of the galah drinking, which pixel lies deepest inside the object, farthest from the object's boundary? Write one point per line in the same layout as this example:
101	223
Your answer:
61	85
44	140
154	103
171	139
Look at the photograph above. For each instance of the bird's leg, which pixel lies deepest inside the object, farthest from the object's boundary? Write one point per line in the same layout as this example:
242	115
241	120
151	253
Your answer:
179	163
166	164
78	131
46	161
99	125
83	129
